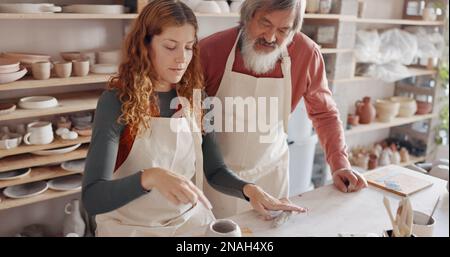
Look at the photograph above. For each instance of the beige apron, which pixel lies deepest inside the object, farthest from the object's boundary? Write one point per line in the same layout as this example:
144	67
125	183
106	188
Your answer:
169	144
265	164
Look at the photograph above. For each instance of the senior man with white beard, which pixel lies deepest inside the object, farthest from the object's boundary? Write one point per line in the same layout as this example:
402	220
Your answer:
267	56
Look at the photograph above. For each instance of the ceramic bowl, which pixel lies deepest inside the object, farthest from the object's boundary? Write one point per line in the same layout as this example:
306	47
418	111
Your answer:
80	119
104	68
424	107
11	77
38	102
408	106
223	228
26	58
94	8
208	7
387	110
6	108
84	131
9	66
70	56
109	57
10	140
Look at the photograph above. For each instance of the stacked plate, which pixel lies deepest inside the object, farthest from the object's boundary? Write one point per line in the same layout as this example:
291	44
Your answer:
26	59
74	166
10	70
26	190
14	174
67	183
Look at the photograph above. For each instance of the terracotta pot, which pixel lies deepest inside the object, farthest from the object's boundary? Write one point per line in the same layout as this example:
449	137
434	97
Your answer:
365	110
373	161
353	119
424	107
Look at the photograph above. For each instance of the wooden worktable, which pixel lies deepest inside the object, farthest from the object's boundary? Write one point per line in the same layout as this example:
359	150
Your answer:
332	212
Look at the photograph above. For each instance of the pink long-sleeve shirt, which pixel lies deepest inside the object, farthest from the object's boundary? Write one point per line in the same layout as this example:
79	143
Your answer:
308	81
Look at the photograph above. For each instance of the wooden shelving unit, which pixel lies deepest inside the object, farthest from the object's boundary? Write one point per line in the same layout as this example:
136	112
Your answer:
31	160
72	102
32	148
38	174
7	203
381	125
335	50
399	22
30	83
415	72
66	16
131	16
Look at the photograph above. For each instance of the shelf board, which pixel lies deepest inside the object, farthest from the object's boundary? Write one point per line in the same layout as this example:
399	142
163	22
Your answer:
71	102
130	16
339	17
415	72
30	160
335	50
38	174
8	203
32	148
65	16
30	83
383	125
400	22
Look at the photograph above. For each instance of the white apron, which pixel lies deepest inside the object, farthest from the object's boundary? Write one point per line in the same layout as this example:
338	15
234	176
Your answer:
265	164
152	214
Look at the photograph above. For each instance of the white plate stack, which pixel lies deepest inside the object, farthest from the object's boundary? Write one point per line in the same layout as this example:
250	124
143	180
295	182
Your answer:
10	70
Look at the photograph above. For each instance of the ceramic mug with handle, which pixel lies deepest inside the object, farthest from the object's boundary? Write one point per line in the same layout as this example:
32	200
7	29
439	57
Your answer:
39	133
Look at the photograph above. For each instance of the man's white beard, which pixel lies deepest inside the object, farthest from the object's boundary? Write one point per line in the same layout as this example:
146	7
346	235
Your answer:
260	63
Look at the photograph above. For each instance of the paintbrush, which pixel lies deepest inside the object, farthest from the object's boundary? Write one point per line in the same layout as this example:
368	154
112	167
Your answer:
434	209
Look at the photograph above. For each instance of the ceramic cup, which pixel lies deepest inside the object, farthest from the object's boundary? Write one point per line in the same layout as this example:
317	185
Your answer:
422	224
223	228
81	67
39	133
91	56
63	69
41	70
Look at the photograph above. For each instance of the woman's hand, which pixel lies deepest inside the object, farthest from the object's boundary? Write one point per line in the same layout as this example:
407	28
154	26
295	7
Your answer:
262	202
177	189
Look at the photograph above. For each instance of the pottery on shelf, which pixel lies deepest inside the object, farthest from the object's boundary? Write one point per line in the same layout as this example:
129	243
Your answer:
408	105
386	110
73	221
424	107
386	156
365	110
404	155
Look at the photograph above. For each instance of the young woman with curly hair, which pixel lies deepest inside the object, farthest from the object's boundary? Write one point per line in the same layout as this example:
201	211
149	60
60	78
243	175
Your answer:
142	159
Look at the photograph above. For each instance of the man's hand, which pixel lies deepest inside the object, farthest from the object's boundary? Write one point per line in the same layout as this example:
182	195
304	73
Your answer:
347	180
262	202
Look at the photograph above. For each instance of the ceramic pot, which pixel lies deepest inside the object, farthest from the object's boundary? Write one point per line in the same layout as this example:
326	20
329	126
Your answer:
73	221
365	110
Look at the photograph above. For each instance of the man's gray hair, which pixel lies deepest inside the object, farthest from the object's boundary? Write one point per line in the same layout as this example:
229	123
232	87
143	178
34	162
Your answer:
249	7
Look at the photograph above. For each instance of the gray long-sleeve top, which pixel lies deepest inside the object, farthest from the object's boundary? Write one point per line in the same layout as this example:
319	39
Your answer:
101	194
